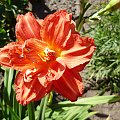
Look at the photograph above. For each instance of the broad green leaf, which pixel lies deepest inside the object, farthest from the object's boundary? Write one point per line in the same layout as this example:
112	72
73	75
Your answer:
10	78
85	116
90	101
79	110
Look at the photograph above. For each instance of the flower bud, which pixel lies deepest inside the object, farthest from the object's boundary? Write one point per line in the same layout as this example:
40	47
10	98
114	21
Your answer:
112	5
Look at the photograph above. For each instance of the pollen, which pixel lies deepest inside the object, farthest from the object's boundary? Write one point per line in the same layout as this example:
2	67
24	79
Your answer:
48	55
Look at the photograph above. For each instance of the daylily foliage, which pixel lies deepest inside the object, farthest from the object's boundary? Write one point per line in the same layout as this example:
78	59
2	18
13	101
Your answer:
49	55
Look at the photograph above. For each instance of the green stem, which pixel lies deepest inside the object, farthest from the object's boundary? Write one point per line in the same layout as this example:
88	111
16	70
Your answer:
43	107
31	111
20	111
9	2
80	25
81	20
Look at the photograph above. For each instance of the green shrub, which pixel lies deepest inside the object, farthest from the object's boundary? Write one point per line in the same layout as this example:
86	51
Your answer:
105	64
9	9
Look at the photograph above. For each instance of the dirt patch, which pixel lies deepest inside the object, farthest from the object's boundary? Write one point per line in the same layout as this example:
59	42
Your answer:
105	110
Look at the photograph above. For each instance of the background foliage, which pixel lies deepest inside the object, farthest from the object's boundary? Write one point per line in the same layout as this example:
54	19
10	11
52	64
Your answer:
9	9
104	67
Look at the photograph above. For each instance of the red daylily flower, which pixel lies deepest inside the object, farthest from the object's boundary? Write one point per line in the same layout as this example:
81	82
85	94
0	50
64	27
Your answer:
49	55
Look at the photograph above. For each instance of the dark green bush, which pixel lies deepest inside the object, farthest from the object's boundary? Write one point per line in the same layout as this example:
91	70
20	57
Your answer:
9	9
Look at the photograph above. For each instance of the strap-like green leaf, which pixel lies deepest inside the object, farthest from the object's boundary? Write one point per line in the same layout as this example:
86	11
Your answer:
14	115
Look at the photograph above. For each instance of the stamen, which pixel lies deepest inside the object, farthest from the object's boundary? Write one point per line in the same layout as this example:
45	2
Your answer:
49	54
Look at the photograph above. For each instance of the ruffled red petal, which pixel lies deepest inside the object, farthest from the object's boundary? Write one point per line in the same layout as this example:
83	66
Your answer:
57	29
11	56
22	56
79	53
54	71
29	91
69	85
27	27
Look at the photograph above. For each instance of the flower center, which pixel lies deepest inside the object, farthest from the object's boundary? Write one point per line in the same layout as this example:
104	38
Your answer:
49	55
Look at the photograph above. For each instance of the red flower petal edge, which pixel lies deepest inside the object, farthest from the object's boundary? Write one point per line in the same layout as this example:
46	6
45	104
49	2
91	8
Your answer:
49	55
69	85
